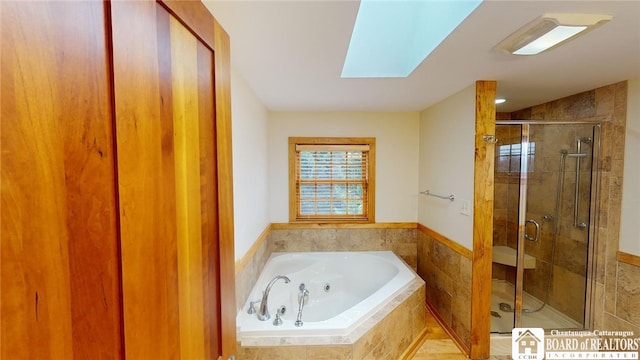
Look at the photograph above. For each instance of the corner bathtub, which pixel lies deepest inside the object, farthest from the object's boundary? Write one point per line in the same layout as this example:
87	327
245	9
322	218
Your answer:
345	289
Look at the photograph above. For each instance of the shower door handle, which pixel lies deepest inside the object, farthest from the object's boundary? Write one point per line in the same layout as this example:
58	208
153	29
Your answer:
536	234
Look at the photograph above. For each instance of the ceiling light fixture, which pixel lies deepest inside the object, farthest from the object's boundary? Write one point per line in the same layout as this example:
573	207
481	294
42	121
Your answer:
549	31
500	101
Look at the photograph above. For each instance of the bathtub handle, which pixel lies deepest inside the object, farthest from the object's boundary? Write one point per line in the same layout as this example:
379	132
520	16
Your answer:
252	306
278	320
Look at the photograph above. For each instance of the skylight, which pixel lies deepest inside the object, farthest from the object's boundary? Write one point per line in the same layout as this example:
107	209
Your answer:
392	37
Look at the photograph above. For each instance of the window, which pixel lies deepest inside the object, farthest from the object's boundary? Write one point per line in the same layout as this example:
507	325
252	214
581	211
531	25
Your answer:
508	157
331	179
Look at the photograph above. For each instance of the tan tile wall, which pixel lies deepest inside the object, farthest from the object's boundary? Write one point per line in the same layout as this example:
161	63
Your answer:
569	260
447	275
506	195
247	275
400	241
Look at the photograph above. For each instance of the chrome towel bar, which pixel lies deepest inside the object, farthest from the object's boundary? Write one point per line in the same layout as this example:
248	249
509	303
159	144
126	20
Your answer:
427	192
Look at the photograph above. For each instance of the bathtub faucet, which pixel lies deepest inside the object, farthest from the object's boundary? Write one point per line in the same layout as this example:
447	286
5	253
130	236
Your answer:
263	314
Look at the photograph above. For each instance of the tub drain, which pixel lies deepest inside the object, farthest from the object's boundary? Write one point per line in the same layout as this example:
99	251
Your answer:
495	314
326	287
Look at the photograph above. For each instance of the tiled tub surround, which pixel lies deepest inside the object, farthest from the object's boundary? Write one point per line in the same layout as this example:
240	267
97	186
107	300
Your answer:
401	238
343	289
386	329
389	326
386	335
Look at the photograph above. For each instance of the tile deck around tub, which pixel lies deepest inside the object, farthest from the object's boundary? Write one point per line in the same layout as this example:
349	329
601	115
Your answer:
385	335
355	335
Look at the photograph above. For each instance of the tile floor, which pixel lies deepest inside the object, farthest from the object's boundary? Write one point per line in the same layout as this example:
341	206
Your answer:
438	345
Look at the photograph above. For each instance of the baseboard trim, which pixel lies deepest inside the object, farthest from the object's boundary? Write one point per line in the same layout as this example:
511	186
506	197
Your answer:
383	225
627	258
456	339
412	349
446	241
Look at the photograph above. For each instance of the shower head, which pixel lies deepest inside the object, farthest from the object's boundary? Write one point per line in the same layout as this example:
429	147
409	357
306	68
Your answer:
585	140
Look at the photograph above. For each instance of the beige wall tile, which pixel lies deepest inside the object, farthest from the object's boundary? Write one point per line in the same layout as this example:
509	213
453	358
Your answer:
628	295
342	352
607	101
271	353
614	323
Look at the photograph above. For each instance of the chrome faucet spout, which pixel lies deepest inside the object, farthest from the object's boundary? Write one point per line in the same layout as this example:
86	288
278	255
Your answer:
263	314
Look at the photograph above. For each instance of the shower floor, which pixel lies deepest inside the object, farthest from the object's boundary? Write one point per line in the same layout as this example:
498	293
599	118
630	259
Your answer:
547	318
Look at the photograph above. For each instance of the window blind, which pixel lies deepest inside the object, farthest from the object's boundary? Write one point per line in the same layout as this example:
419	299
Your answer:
332	181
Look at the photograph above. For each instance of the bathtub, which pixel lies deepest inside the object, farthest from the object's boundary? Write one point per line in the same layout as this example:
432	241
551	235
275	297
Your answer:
345	290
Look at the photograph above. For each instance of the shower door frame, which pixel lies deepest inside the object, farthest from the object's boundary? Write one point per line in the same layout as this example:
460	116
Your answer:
522	212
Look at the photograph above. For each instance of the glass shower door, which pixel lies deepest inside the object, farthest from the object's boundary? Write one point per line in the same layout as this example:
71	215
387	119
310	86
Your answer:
544	221
554	224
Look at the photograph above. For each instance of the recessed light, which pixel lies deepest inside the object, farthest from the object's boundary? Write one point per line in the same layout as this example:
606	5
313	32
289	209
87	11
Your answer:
500	101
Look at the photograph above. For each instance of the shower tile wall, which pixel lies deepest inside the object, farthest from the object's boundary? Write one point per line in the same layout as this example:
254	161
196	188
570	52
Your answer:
506	195
614	281
567	288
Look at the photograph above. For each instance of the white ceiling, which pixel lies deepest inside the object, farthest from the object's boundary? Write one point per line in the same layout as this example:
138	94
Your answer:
291	54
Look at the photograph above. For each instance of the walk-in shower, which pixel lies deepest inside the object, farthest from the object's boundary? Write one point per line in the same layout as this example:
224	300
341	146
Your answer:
544	224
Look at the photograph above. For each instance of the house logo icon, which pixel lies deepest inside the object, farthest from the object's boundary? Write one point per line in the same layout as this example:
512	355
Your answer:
527	343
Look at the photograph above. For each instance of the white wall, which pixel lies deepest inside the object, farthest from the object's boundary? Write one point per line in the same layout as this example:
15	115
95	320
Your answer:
396	156
250	165
447	136
630	218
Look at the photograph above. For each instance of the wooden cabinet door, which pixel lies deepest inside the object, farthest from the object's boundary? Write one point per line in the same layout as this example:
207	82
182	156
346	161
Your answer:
167	150
60	296
117	216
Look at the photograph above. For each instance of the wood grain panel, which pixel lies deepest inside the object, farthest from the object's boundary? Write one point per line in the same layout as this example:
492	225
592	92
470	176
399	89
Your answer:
196	16
222	71
482	220
184	58
627	258
209	201
59	250
92	260
60	280
381	225
146	182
